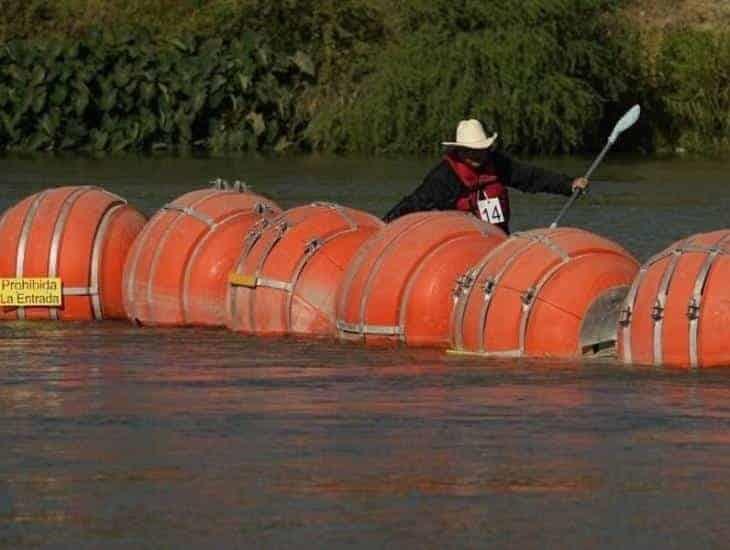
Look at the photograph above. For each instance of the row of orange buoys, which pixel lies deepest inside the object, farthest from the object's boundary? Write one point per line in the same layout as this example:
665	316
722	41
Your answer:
227	256
400	285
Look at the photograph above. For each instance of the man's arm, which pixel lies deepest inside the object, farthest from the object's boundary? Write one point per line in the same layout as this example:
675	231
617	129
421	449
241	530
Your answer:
529	178
439	191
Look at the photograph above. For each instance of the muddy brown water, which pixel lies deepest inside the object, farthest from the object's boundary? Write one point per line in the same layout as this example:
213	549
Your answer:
116	436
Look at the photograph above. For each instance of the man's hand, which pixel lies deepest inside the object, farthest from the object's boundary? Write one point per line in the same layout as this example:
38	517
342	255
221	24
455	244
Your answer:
580	184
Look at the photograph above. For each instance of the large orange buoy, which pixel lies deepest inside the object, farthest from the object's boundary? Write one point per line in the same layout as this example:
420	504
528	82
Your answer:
400	285
290	268
177	270
678	309
78	234
546	292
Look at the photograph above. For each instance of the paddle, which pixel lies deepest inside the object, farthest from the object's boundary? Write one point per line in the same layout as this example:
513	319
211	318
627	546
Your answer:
626	122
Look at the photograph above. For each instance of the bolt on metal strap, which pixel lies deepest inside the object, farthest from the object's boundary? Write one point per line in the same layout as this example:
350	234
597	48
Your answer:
463	284
312	246
528	295
693	309
657	312
624	318
261	208
489	285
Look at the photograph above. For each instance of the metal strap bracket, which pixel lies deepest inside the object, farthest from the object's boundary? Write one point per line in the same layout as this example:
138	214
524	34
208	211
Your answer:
80	291
312	246
325	204
190	211
256	231
380	330
657	312
693	309
489	285
463	284
625	316
261	208
238	186
528	295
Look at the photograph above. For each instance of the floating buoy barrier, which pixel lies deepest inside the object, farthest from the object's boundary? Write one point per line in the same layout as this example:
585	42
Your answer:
80	235
288	273
677	312
546	292
399	287
177	271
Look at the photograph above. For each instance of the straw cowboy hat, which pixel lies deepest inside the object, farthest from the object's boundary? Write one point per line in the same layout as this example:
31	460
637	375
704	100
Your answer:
470	134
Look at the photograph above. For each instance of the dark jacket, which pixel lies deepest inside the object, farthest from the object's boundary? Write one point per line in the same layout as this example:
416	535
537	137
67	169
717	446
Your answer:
441	187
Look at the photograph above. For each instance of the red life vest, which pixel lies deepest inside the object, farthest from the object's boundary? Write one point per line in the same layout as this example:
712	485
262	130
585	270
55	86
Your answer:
479	186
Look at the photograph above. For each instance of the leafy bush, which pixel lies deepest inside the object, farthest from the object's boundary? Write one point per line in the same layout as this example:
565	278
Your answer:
693	88
127	90
548	75
538	71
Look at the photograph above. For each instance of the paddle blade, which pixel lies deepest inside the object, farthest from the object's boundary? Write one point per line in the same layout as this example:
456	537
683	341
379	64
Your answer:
626	122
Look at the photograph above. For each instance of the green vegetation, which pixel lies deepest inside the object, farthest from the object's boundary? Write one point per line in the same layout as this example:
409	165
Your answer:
540	73
693	71
357	75
124	90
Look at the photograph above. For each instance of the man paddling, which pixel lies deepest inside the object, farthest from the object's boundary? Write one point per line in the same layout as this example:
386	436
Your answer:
473	177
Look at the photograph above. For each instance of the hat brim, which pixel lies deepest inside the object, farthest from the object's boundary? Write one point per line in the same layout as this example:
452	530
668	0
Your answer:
481	144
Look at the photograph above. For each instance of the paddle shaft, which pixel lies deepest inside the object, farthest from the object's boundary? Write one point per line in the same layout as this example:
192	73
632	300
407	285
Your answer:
578	192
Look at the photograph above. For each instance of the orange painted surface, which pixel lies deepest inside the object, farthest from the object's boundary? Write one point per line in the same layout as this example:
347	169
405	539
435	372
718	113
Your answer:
642	324
700	263
298	261
714	322
675	325
556	319
80	234
531	294
177	271
400	286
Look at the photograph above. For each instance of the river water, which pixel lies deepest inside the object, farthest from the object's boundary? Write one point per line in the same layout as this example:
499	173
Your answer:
116	436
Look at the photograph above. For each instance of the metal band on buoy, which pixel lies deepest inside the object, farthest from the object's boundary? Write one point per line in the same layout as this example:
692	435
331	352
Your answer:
287	246
529	270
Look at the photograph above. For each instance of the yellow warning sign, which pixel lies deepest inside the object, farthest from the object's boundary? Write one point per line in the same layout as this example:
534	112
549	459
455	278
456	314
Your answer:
31	292
236	279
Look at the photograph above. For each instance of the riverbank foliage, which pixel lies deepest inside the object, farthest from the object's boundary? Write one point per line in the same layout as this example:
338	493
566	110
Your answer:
353	75
119	90
693	70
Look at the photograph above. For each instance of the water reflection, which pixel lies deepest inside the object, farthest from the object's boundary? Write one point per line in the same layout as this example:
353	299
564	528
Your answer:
118	434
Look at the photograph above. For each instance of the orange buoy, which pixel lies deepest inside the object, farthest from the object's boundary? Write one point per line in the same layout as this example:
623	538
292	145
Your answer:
677	312
546	292
176	273
400	285
288	273
78	234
